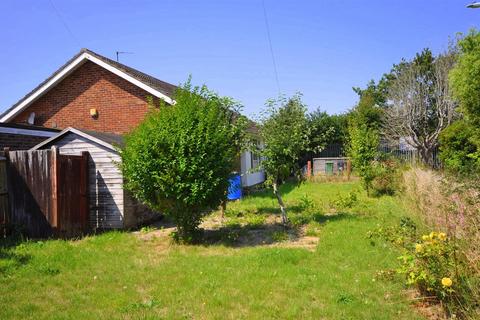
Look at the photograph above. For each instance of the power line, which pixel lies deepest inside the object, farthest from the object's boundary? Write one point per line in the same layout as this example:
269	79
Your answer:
75	39
270	45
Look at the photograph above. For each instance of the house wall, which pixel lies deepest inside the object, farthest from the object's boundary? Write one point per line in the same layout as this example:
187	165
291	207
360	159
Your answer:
120	104
249	178
106	195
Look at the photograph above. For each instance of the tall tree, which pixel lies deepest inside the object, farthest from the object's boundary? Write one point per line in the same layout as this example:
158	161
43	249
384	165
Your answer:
420	104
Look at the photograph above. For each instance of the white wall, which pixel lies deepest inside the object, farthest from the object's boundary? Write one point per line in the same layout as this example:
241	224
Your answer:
250	177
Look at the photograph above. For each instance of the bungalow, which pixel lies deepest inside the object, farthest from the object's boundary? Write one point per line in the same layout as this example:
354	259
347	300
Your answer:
93	93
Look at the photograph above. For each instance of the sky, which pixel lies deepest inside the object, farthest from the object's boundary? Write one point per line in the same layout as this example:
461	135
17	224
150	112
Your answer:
321	48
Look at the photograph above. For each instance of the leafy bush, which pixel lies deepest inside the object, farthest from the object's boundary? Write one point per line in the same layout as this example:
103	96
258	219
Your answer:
178	160
386	178
307	211
346	202
460	147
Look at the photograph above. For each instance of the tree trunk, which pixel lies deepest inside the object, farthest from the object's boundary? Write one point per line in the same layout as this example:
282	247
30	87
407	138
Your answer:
283	209
427	156
223	208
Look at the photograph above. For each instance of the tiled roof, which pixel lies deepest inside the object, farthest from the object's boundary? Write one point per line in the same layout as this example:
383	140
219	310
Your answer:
159	85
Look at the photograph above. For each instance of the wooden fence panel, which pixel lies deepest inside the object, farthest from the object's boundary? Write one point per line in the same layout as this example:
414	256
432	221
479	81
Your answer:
48	192
29	188
4	208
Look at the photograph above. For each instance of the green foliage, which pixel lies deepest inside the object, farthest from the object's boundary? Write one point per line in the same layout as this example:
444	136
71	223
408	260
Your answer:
459	147
367	113
386	177
327	129
346	202
460	142
285	134
363	150
465	77
179	158
377	92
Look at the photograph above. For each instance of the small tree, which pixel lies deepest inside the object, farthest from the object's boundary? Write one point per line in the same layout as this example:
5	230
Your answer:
179	159
364	122
285	134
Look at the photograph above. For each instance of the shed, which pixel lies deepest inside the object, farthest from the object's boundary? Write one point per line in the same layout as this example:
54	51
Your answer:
329	166
111	207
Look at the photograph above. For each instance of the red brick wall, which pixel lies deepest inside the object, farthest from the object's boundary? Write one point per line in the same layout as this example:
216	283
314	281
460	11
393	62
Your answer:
120	104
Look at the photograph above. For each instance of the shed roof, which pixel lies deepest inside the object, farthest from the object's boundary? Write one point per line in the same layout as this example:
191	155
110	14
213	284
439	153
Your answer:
109	140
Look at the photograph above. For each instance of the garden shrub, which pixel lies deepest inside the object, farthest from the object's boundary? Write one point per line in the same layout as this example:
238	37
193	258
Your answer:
179	159
346	202
386	178
435	265
307	211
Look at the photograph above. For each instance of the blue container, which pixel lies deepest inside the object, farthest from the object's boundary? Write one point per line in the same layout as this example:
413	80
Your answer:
235	188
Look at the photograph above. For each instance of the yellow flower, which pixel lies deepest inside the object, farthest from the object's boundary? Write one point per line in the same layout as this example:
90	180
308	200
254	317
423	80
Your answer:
418	248
447	282
442	236
425	237
432	235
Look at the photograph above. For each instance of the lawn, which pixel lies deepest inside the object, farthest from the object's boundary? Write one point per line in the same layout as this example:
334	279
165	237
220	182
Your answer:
125	275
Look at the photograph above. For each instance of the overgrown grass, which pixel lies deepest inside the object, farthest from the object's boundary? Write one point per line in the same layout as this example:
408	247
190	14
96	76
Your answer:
120	276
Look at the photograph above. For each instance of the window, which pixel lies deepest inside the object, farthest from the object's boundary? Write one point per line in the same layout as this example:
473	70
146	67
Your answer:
255	159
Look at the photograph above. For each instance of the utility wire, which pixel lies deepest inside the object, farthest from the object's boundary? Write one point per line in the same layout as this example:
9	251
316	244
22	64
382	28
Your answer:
270	45
75	39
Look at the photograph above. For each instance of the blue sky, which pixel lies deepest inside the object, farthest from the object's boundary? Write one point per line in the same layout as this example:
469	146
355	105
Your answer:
322	48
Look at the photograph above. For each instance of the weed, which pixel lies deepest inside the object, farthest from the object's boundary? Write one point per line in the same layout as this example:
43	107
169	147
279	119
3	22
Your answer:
279	236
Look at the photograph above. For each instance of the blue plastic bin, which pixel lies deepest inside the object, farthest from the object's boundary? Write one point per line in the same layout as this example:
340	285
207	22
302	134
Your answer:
235	188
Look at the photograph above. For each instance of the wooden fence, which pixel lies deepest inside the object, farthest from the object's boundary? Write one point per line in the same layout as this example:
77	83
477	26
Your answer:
4	209
48	192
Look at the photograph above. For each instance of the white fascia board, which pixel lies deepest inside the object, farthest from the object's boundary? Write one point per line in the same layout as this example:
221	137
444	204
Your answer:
28	132
77	132
34	96
130	79
70	68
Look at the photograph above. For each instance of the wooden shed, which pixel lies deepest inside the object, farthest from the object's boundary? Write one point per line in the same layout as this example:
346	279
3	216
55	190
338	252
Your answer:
111	207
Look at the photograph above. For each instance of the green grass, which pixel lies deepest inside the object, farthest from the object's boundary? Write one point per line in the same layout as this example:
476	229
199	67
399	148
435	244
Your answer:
119	276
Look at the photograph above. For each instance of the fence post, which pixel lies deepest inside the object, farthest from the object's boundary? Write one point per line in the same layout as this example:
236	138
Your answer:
54	179
349	169
309	169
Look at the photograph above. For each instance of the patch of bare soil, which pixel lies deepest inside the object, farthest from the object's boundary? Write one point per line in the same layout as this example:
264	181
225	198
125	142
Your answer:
271	233
430	308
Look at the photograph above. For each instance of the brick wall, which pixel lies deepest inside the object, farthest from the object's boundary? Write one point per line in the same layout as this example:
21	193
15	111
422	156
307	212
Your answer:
18	141
120	104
